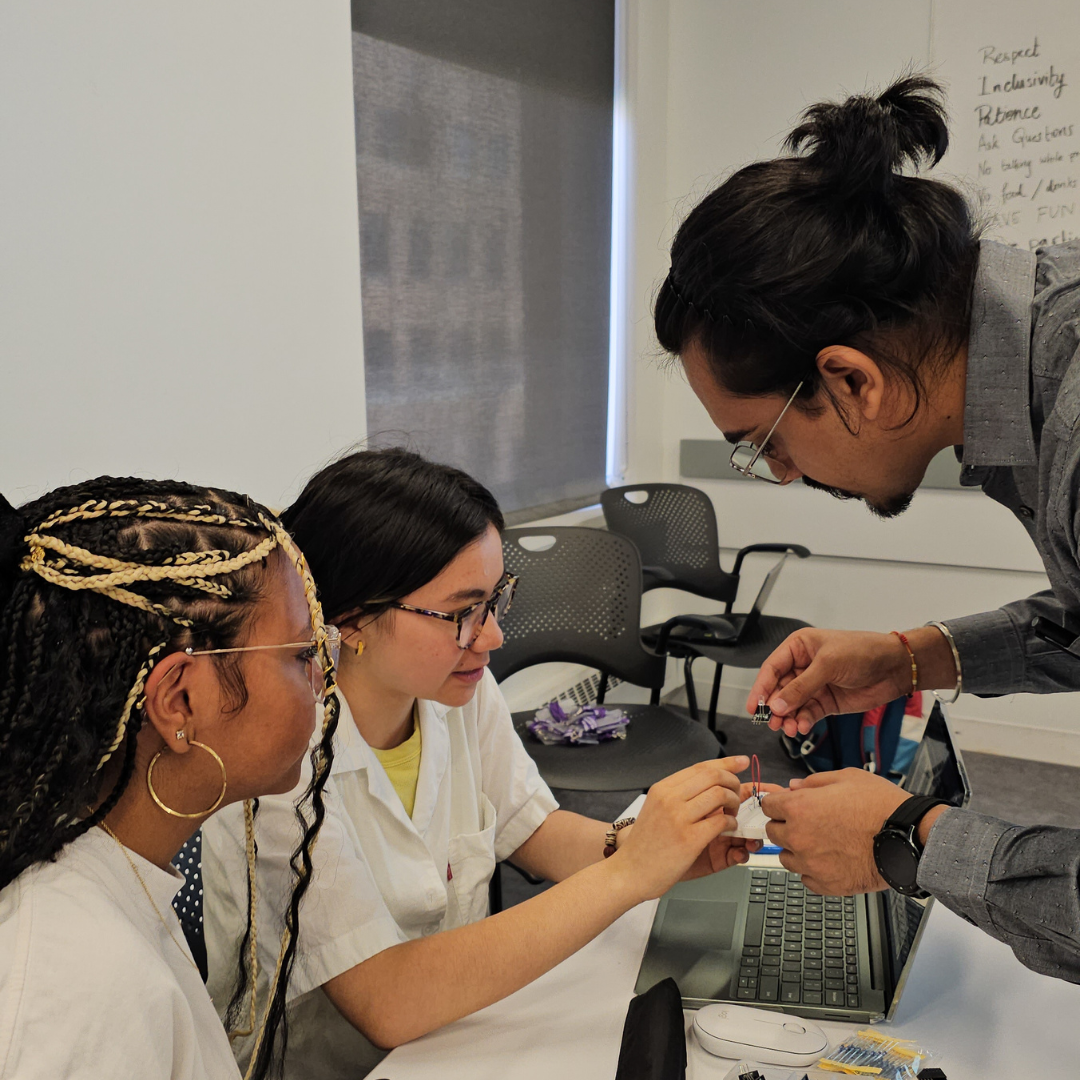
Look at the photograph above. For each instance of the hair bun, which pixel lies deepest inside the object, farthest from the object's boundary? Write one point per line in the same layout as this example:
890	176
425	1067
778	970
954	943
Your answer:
861	144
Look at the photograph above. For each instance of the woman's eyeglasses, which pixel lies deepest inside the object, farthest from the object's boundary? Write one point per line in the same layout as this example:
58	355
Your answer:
756	461
470	621
311	656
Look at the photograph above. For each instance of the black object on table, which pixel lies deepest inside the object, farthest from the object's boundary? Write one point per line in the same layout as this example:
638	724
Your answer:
654	1036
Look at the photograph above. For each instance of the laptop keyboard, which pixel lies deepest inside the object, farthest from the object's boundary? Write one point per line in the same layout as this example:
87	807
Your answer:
798	948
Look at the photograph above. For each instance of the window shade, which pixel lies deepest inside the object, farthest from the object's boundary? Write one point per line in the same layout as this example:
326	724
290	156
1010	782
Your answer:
483	159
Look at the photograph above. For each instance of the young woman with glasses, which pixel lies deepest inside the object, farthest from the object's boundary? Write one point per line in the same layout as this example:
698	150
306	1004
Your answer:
159	649
431	786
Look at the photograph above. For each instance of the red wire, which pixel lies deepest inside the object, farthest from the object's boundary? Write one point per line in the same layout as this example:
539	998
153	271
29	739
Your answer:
755	773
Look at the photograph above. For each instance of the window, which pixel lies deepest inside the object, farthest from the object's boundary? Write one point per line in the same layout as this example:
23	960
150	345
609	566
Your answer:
484	170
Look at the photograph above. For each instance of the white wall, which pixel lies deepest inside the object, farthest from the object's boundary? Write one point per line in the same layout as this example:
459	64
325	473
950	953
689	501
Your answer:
179	262
715	84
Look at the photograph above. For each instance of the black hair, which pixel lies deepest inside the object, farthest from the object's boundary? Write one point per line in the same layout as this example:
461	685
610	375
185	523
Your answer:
77	644
831	245
378	524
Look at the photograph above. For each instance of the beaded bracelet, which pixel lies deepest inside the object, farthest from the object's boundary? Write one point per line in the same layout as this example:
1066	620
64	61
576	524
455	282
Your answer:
612	835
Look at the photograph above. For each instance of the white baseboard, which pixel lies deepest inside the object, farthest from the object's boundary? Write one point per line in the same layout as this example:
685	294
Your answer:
1016	740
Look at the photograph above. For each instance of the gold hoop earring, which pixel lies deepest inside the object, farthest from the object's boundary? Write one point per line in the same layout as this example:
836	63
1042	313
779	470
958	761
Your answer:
176	813
359	646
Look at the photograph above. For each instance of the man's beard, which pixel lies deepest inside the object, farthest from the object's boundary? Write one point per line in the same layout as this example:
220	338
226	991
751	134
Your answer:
889	508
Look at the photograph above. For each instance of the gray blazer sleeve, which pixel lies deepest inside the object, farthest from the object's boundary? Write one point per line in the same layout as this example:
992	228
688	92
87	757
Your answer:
1020	884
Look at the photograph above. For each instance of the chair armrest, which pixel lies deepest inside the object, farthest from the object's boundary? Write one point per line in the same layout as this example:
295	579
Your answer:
793	549
714	623
660	573
532	879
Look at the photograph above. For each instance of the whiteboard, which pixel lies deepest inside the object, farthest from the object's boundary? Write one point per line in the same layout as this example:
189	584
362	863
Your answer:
1013	75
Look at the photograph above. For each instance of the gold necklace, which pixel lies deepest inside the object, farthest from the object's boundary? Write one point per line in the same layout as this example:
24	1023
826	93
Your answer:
149	895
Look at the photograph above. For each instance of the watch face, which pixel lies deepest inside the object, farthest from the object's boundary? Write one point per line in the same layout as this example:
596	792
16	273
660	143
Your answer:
897	859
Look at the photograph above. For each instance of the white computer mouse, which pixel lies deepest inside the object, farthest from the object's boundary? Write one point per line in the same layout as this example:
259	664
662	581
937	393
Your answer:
773	1038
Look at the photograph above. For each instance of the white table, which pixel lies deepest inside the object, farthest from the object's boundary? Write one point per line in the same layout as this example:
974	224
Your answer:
968	998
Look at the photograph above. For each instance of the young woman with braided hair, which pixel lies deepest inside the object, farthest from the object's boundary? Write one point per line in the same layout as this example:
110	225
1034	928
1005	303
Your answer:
431	786
159	649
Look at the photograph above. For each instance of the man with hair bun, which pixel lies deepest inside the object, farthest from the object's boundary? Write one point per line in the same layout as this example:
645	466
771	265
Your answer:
843	322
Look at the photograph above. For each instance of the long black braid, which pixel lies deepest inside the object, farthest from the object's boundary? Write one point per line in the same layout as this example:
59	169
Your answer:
71	657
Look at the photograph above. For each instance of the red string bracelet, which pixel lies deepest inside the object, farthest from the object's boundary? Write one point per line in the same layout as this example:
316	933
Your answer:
914	666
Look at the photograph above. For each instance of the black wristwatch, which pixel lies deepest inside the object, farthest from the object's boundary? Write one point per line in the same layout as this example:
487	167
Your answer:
897	849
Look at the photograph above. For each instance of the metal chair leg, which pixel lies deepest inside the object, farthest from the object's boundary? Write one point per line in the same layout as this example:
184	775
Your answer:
714	698
691	693
495	897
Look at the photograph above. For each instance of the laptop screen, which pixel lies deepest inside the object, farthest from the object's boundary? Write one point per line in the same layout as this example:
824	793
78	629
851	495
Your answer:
937	770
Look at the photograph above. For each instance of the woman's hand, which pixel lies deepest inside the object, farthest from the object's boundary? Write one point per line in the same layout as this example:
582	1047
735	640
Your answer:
722	852
727	851
679	828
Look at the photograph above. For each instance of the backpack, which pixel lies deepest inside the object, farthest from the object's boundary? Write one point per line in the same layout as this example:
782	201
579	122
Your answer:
869	740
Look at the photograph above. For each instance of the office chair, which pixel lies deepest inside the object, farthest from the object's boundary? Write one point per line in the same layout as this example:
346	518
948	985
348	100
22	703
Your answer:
579	601
674	528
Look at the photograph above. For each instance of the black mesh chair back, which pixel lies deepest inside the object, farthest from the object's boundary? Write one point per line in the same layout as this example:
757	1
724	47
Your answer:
674	528
579	600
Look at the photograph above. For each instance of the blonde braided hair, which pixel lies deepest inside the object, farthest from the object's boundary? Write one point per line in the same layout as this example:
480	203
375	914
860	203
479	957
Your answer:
321	760
189	569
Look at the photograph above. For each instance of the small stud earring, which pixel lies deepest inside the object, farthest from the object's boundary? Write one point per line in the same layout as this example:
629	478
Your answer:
181	734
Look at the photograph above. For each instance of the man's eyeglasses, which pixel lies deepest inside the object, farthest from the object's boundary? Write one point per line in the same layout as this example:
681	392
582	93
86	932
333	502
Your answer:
470	621
310	655
756	461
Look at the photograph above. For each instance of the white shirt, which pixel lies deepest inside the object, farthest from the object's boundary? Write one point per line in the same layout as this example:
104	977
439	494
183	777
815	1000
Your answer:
379	878
91	985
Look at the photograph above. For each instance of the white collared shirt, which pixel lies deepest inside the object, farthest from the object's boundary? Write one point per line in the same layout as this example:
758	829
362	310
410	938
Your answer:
380	878
91	983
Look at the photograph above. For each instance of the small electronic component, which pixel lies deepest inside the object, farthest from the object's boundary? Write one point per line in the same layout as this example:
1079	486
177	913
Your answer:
763	714
747	1070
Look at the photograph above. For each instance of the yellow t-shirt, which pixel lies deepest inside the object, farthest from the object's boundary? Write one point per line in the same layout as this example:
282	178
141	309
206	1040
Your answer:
402	765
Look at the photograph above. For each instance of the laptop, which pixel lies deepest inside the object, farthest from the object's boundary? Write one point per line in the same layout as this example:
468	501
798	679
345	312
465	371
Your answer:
756	936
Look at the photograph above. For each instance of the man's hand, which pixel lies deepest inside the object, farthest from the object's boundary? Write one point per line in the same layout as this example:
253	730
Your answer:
826	825
817	673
